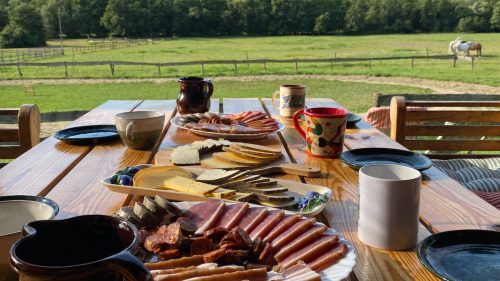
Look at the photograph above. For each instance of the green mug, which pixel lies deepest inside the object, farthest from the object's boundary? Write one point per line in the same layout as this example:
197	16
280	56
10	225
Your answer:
140	130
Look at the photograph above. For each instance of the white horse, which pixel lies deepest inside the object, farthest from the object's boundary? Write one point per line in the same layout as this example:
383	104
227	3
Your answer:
464	47
452	43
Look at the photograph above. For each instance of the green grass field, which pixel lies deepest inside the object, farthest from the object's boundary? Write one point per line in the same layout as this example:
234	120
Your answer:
486	70
357	97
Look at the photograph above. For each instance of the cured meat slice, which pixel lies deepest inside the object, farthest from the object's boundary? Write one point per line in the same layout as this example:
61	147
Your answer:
213	255
300	272
252	218
173	236
328	258
242	237
205	215
302	240
235	276
169	254
198	273
270	221
202	246
215	233
143	234
310	251
187	227
291	233
283	225
231	215
176	263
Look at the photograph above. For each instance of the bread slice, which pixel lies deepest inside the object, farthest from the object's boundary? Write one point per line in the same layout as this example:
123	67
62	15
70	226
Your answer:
266	184
260	180
281	197
279	204
257	152
237	160
257	147
213	163
242	197
238	176
271	190
249	156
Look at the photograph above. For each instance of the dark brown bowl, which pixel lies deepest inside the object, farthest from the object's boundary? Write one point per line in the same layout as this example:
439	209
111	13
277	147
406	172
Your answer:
92	247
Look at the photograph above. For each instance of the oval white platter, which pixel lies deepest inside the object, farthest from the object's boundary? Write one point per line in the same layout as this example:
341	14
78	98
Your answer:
296	188
336	272
175	121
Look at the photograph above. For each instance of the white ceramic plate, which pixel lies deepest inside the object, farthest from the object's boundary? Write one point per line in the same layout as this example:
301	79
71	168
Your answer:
296	189
336	272
175	121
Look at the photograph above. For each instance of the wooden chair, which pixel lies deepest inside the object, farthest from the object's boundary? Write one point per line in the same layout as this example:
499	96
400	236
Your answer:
28	89
400	130
385	100
27	133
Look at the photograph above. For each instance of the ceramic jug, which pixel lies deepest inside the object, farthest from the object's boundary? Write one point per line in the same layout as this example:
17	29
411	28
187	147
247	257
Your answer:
194	96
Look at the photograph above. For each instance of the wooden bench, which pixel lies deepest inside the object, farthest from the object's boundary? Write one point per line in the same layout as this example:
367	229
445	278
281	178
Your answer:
385	100
400	130
27	132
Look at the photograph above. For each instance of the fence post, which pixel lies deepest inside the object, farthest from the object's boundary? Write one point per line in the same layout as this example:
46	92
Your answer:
369	63
112	67
19	69
427	49
264	65
65	68
248	64
202	68
472	63
142	61
335	57
2	61
73	61
454	61
411	62
235	67
159	70
295	64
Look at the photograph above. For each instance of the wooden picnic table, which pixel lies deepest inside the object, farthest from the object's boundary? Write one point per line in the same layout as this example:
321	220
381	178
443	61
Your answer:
70	175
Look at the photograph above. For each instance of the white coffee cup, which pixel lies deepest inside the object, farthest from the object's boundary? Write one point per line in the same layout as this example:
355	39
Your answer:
389	200
292	99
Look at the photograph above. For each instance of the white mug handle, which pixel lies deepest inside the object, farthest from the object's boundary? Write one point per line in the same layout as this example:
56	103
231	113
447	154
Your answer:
128	132
274	99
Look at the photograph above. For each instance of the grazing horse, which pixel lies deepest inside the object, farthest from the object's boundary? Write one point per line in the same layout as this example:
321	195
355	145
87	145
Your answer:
452	44
475	46
459	46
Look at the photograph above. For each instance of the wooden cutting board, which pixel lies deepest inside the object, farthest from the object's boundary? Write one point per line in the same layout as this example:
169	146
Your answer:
162	158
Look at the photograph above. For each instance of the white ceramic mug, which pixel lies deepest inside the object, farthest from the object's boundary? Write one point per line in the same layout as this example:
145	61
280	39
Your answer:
389	200
292	99
140	130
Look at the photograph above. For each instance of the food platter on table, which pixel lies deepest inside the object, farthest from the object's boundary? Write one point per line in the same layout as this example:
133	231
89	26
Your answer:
333	264
229	126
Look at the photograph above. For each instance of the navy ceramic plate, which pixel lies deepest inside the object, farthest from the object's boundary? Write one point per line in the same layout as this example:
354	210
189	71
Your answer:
462	255
88	135
358	158
353	119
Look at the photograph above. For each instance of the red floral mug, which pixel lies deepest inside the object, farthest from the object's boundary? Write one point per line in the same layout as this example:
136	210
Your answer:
325	129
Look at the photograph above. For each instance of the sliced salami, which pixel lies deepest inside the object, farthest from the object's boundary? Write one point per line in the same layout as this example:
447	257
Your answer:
187	227
169	254
143	234
202	246
215	233
213	255
242	237
174	237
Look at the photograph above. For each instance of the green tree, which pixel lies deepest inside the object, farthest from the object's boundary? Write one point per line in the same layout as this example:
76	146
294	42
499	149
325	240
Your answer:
25	28
161	17
495	18
88	13
127	18
4	17
323	23
355	16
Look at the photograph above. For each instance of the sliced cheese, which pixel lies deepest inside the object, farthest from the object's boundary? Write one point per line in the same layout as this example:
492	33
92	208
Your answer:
237	160
257	152
249	156
189	186
241	197
155	176
212	163
215	175
257	147
190	156
222	193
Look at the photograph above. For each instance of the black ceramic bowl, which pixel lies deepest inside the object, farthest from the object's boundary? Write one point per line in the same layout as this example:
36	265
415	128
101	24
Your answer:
44	200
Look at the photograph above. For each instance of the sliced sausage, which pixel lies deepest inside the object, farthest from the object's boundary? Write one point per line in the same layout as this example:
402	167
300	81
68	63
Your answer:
143	234
231	246
259	247
267	250
227	240
153	229
215	234
231	259
174	237
162	229
169	254
241	253
202	246
213	255
242	237
154	243
187	227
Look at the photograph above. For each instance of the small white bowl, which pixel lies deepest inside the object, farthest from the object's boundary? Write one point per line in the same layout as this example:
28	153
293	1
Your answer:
13	216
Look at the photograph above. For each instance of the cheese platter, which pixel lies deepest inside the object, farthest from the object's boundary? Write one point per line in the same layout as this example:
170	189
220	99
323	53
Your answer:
254	125
243	241
179	184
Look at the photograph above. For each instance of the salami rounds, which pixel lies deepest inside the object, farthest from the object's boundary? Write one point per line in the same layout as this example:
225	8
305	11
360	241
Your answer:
202	246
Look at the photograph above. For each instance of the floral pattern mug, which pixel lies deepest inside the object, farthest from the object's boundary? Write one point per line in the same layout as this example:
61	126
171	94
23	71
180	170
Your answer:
325	129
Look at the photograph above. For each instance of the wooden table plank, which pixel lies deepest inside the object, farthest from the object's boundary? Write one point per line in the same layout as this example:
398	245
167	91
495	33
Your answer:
80	192
342	211
38	170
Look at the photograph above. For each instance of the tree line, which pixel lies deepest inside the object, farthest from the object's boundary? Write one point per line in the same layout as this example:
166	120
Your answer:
27	23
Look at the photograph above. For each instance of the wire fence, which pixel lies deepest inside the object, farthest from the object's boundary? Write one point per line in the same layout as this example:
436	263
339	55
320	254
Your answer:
8	56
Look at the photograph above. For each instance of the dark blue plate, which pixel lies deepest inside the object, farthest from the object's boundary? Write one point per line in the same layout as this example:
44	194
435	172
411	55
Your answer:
462	255
358	158
88	135
353	119
44	200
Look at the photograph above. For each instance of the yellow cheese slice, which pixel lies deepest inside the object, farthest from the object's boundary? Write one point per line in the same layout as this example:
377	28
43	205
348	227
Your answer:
234	159
222	193
189	186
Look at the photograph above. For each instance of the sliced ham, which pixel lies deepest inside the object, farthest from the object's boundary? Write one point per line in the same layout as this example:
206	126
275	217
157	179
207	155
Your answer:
328	258
294	231
270	221
310	251
302	240
231	215
300	272
205	215
252	218
283	225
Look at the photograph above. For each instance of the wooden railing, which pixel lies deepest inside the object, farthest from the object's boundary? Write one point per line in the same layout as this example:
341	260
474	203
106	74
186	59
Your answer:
112	64
8	56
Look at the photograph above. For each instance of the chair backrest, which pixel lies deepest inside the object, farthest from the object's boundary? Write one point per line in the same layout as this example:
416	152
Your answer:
385	100
27	133
400	130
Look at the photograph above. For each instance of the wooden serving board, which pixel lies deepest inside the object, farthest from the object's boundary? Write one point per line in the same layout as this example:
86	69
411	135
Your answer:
162	158
295	189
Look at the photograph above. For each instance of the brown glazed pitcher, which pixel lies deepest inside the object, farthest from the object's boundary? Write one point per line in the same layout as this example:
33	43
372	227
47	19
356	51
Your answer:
92	247
194	96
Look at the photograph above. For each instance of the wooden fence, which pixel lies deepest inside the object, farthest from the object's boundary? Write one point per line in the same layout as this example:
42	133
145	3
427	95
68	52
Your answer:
8	56
264	62
104	45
